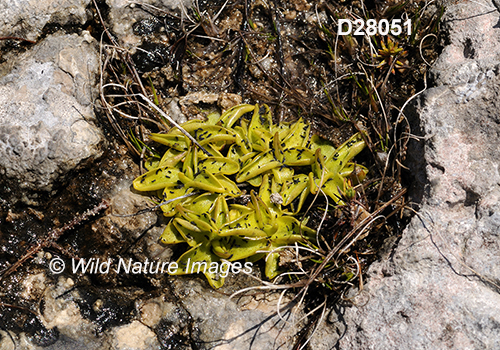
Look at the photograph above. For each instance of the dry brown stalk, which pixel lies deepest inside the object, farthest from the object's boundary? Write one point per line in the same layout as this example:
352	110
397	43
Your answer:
54	235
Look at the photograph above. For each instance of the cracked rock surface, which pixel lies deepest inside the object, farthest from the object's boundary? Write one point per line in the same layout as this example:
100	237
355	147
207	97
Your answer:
47	121
26	19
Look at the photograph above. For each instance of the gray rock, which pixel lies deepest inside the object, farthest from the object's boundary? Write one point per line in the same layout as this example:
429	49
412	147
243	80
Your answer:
440	289
201	318
473	46
251	323
26	19
47	121
124	14
134	336
122	225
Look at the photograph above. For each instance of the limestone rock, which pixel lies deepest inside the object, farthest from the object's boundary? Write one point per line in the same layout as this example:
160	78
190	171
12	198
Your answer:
26	19
47	121
440	287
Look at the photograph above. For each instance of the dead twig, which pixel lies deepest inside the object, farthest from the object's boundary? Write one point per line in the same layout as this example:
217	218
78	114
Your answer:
17	38
54	235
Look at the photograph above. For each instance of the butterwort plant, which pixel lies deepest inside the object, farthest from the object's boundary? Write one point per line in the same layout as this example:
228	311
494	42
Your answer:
236	192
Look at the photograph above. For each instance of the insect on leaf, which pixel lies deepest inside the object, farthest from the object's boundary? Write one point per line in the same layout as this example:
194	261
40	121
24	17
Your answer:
298	156
262	163
345	153
157	179
241	248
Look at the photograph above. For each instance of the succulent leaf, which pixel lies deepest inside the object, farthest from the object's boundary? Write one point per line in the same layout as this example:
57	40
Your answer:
282	162
219	165
174	196
241	248
298	156
345	153
263	162
233	114
178	142
298	135
170	235
157	179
